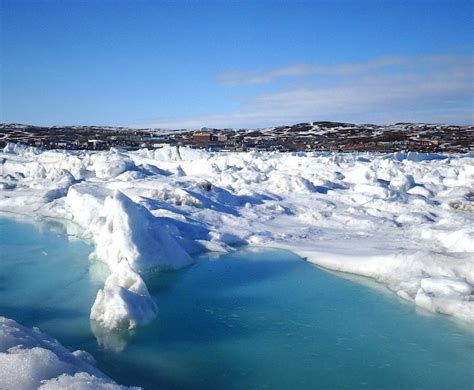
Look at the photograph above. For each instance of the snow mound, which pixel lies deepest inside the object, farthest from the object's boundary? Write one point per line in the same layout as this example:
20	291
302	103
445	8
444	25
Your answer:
29	359
110	165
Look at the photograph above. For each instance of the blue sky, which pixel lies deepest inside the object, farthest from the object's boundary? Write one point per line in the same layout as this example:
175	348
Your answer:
236	63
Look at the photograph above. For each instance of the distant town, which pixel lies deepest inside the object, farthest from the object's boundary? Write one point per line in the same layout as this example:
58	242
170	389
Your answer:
309	136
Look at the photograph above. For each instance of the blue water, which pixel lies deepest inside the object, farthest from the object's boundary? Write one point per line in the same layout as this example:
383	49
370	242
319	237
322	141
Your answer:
245	320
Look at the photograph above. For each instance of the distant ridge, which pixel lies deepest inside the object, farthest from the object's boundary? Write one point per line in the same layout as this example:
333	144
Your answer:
304	136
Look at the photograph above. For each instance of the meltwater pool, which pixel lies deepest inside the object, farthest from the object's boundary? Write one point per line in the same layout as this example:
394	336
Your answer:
245	320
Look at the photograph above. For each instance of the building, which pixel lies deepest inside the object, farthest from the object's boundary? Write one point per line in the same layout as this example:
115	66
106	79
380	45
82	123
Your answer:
222	137
202	137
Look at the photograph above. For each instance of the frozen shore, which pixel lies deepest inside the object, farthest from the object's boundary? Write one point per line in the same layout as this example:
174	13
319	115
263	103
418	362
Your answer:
406	220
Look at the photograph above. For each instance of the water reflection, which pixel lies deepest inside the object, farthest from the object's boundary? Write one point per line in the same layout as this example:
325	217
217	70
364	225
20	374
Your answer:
112	340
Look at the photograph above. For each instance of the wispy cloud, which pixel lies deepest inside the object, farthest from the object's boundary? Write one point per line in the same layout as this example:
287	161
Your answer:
267	76
431	89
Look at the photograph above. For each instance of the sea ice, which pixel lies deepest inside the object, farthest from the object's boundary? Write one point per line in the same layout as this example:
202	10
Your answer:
404	219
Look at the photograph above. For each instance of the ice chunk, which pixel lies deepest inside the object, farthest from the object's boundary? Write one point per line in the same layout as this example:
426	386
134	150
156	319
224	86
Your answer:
124	301
128	231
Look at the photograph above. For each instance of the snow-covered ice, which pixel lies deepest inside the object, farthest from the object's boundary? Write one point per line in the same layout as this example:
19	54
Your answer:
29	359
404	219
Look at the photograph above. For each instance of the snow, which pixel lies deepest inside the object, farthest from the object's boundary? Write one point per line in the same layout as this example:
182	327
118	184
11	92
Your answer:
124	300
404	219
129	232
29	359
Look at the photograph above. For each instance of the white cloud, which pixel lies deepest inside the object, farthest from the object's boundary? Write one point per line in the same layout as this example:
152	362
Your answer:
383	90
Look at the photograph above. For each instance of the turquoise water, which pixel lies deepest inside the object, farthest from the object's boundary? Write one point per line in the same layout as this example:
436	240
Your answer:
260	320
46	280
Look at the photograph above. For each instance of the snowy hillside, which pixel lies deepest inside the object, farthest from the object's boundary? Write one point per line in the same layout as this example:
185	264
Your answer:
405	220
